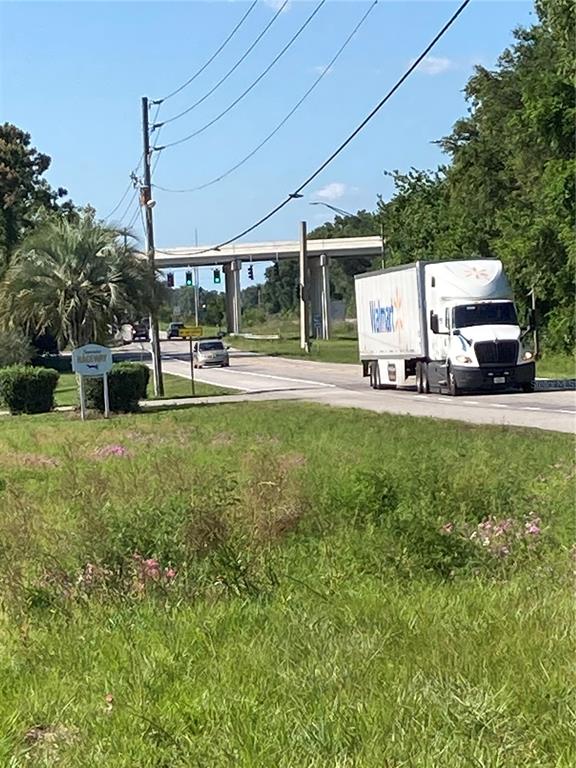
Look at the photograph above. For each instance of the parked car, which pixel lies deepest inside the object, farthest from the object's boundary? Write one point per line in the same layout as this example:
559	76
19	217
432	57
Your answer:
140	332
210	352
173	331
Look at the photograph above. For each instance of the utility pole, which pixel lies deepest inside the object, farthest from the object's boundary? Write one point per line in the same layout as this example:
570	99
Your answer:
303	292
148	204
196	282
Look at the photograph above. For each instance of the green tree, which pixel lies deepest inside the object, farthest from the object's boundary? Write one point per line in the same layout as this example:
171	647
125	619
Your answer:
25	196
76	279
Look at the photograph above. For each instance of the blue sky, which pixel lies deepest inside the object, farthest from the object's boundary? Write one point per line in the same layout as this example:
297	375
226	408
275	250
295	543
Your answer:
72	74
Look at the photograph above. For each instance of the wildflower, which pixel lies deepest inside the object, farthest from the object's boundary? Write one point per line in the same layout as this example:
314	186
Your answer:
151	568
169	574
111	450
532	527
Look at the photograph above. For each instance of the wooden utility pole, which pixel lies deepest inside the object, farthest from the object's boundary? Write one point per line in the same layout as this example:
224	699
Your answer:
148	204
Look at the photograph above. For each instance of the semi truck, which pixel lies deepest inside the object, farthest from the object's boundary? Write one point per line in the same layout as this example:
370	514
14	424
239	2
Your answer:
450	325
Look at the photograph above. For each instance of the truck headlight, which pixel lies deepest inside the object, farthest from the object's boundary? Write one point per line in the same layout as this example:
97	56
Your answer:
527	356
463	359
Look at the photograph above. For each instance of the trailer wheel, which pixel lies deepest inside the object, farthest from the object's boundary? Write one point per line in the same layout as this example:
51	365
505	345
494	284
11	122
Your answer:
372	373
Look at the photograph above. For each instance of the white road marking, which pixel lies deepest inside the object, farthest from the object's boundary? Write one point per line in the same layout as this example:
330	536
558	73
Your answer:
530	408
420	397
499	405
280	378
470	402
572	413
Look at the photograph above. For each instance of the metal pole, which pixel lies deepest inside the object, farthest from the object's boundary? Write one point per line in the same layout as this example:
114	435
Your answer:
196	295
146	201
192	368
82	399
303	267
106	397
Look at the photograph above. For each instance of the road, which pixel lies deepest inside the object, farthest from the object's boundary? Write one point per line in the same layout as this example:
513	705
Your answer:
264	377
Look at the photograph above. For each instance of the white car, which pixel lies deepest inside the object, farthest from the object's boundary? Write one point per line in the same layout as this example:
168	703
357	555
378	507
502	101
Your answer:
210	352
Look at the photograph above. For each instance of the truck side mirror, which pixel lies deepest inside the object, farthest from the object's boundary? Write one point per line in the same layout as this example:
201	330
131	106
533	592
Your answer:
434	323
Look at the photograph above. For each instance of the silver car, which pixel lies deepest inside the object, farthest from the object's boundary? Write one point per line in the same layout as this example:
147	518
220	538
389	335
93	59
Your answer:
210	352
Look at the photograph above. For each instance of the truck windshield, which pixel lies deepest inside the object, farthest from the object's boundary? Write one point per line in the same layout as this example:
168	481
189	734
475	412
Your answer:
495	313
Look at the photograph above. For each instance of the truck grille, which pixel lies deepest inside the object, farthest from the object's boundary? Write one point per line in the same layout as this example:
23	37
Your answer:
499	352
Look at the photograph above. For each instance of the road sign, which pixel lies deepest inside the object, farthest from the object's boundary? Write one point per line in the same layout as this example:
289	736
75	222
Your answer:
91	360
317	321
190	331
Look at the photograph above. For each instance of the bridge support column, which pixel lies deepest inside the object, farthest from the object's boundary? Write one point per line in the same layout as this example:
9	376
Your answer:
233	300
320	296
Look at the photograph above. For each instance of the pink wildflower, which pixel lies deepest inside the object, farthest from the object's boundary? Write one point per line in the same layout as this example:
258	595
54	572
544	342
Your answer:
169	573
111	450
532	528
151	568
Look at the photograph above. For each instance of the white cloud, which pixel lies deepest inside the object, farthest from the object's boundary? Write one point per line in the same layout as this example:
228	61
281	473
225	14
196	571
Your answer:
435	65
277	4
319	70
333	191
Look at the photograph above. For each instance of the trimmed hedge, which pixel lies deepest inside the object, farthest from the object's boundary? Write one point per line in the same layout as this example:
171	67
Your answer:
24	389
127	385
60	363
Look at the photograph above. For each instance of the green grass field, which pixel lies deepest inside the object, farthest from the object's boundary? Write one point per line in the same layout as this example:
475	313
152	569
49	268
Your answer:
280	585
174	386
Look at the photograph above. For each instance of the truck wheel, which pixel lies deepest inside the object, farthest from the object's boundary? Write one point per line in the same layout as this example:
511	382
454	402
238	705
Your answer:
419	379
528	387
425	384
452	386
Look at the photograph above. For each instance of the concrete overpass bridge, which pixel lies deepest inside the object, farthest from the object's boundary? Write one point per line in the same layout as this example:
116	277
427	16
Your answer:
231	258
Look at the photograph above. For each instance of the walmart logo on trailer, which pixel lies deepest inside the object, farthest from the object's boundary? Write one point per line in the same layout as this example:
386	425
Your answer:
382	318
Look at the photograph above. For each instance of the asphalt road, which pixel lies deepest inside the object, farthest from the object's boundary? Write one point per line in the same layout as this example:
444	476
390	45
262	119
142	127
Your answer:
263	377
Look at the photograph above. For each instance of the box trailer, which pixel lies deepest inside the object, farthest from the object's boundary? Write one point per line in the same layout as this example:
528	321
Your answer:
450	325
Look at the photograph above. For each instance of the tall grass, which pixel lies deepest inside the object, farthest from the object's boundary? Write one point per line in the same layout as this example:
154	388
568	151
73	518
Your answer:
284	585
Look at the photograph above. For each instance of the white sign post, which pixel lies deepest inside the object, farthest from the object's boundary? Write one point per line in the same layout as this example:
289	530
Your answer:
92	360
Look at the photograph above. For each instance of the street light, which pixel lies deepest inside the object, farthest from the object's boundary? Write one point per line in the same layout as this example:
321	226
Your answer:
339	211
342	212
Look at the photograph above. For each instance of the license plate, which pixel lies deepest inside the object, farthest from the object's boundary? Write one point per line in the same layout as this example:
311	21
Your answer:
499	379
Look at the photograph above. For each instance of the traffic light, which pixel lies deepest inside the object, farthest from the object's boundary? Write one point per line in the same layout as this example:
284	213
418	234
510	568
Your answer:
277	269
251	272
170	280
217	276
189	278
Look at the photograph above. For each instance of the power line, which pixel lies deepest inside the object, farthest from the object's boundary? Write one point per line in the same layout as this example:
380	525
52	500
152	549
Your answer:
228	74
210	60
355	132
251	86
256	149
130	185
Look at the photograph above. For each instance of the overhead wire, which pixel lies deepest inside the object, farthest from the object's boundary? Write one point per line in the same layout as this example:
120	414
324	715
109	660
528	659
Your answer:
228	73
210	60
250	87
127	190
256	149
297	193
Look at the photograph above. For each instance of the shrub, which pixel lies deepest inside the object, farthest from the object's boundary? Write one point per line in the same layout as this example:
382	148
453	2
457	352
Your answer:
60	363
15	349
127	385
27	390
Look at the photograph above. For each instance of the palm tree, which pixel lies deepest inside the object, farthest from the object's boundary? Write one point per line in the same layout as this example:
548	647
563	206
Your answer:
75	278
